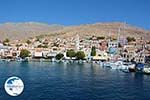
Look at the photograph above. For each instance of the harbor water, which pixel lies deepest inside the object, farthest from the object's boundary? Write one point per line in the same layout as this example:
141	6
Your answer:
62	81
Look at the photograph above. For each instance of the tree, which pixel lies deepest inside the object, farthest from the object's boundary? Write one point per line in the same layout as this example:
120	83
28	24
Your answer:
6	42
130	39
24	53
37	39
28	42
80	55
59	56
71	53
93	51
100	38
42	46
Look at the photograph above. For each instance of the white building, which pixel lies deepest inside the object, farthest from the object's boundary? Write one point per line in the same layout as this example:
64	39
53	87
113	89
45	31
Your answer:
113	44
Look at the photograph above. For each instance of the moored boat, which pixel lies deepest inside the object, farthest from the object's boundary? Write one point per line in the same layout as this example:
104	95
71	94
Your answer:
106	64
126	67
132	69
146	71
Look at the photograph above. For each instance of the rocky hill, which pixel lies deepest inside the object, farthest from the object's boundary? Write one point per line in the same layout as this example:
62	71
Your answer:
106	29
25	30
31	29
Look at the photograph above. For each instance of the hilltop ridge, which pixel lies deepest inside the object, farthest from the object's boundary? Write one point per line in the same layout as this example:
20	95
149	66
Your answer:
31	29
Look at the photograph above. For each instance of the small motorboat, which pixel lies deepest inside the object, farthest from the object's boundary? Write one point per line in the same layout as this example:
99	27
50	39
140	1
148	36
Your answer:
8	60
127	67
125	70
132	69
106	64
139	67
146	71
121	65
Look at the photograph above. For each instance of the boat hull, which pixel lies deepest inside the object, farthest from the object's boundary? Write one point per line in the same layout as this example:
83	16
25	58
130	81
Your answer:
132	70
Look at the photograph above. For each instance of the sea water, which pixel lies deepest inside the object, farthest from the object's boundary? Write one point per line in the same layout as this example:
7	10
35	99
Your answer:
62	81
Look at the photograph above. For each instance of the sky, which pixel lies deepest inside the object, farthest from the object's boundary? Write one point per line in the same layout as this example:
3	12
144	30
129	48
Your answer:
76	12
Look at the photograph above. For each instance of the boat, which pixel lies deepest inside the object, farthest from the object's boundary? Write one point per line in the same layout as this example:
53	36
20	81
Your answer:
53	60
101	63
139	67
146	71
125	70
117	65
8	60
80	61
132	69
127	66
112	64
21	59
106	64
120	65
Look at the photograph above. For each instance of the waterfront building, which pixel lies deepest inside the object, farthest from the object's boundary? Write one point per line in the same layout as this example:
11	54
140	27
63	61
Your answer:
129	52
103	45
5	51
38	54
112	44
101	55
139	58
52	54
113	47
123	41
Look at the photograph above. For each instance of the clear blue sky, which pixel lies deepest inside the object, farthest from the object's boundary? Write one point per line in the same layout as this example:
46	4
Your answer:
75	12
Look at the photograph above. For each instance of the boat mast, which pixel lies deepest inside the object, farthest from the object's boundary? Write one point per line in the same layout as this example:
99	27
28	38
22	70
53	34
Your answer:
118	37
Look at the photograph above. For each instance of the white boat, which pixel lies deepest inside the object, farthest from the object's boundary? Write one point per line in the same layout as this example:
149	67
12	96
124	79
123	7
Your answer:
53	60
106	64
119	65
126	66
41	60
22	60
80	61
84	61
7	60
146	70
101	63
112	64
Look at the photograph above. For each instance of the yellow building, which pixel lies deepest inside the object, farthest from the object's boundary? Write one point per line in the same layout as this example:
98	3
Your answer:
101	55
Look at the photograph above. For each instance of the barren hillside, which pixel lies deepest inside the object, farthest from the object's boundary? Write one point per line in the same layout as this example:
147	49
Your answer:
31	29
